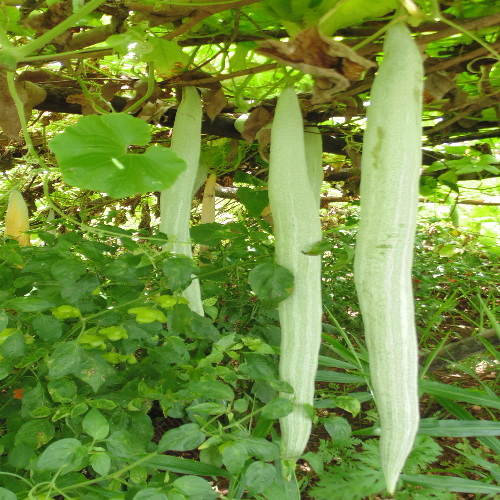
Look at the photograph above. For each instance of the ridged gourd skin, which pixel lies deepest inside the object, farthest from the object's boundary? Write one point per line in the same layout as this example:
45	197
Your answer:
390	168
297	229
314	160
175	203
17	219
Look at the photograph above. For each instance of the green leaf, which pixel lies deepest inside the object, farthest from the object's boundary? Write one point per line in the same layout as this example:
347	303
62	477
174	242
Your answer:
6	279
7	494
32	358
74	291
178	270
271	282
211	389
173	351
65	452
14	347
339	430
463	414
67	270
62	390
209	234
29	304
165	54
103	404
234	456
4	319
184	466
208	408
20	456
93	155
195	487
258	477
95	424
459	428
5	368
150	494
47	327
338	377
459	394
124	444
257	447
183	438
101	463
321	247
353	12
254	200
315	461
65	359
93	369
204	328
277	408
352	405
35	433
447	483
10	255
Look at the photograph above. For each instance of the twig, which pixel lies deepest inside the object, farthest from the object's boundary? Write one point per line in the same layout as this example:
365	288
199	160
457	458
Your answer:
219	78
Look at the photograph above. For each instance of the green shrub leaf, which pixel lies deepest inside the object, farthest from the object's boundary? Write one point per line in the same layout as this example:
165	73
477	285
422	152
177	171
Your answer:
93	155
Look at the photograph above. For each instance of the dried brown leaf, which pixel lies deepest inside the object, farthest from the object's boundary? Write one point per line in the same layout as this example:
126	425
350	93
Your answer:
44	76
29	94
110	89
334	65
235	144
55	14
215	101
77	99
436	86
264	140
35	95
153	111
258	118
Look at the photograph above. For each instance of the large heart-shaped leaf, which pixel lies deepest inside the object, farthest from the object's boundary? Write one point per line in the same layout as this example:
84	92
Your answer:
93	155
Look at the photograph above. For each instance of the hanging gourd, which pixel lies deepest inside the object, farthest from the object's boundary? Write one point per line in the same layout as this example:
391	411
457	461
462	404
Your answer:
390	168
16	219
175	204
208	205
297	229
314	160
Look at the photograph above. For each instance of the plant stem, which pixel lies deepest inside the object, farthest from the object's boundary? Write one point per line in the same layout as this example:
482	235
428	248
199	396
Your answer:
40	42
151	86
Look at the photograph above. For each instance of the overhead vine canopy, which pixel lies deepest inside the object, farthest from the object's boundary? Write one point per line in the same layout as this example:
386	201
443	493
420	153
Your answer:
71	58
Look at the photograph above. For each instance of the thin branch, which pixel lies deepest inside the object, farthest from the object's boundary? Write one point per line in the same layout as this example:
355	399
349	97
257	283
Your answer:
468	56
219	78
456	351
465	202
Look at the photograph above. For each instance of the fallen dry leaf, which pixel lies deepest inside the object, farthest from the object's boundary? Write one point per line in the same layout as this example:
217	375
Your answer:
234	144
109	90
436	86
215	100
264	140
77	99
258	118
154	111
333	65
30	95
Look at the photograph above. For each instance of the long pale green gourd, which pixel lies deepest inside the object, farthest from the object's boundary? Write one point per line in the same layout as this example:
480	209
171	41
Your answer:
297	229
384	244
314	160
175	203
